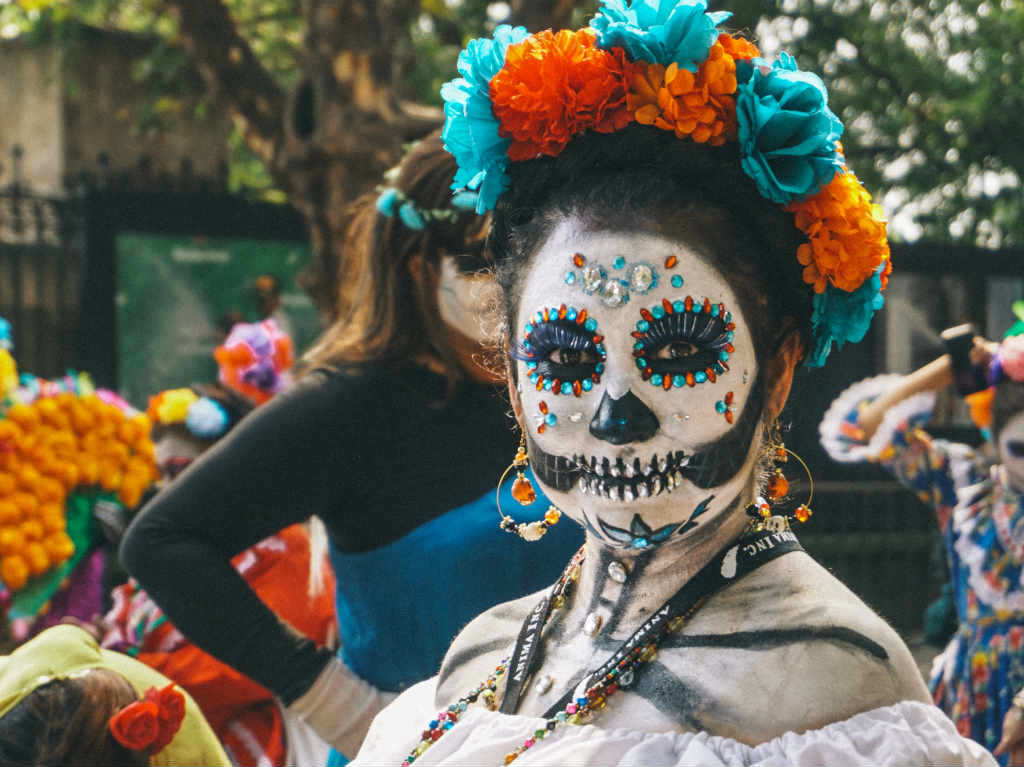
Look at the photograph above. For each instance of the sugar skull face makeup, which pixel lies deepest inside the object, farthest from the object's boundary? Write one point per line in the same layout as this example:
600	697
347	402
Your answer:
642	418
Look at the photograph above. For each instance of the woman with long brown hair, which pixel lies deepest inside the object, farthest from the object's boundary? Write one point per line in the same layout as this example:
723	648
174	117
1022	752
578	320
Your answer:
395	437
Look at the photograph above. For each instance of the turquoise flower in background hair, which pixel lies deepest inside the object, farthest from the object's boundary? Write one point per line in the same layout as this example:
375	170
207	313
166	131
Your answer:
659	31
392	200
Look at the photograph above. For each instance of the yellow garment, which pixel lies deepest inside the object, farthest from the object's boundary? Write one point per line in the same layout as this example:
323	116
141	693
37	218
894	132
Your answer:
63	650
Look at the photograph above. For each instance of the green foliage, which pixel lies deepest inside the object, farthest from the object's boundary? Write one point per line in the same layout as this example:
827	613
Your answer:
929	90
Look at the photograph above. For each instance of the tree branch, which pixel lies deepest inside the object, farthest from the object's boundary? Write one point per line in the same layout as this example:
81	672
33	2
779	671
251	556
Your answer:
231	70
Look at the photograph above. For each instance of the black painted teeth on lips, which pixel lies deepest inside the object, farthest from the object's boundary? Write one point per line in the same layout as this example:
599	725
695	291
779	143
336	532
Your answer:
622	480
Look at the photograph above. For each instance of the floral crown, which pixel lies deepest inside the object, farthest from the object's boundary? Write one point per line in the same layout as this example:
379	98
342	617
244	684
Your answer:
665	64
150	723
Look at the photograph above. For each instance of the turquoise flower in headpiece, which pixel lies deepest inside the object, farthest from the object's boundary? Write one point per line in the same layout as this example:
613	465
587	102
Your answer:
659	31
840	317
787	133
470	128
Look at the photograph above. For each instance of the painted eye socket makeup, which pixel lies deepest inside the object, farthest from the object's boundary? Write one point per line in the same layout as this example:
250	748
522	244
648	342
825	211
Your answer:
1015	448
562	351
683	343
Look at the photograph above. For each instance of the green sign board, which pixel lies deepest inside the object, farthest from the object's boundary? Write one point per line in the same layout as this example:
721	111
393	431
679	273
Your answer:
172	293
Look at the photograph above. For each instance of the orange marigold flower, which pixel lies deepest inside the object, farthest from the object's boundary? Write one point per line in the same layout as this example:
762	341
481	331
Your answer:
554	86
847	235
738	48
696	105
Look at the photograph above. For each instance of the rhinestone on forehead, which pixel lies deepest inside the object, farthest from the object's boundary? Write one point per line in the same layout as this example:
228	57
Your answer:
594	279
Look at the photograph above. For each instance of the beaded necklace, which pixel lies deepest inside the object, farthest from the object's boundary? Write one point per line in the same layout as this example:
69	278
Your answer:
758	546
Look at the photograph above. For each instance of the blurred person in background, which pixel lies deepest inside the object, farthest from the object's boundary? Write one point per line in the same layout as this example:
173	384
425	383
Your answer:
978	497
250	722
395	436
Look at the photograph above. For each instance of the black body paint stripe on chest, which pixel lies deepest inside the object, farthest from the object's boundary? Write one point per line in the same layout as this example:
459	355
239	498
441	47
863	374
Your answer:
772	638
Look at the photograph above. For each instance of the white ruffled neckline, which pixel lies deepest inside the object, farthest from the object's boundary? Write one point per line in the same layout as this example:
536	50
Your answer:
904	733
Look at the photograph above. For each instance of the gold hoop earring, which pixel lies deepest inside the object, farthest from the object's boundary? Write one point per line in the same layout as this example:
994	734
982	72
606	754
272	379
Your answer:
778	488
523	492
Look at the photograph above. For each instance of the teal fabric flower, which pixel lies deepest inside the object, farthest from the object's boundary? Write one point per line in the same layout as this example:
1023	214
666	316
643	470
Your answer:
207	418
839	317
411	217
386	201
787	133
470	129
659	31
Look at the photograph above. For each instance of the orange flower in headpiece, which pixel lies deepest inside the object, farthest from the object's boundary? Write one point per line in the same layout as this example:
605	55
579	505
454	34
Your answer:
698	105
738	48
846	232
554	86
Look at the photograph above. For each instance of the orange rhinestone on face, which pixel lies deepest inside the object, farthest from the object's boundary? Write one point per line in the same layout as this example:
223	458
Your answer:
578	259
670	262
803	512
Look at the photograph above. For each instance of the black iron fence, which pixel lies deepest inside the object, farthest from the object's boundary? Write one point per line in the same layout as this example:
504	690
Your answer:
41	261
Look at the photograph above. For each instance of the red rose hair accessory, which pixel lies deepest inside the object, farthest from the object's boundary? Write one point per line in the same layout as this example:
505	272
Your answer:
150	723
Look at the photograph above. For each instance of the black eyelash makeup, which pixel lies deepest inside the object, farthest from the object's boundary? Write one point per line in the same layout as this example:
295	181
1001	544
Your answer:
563	329
706	328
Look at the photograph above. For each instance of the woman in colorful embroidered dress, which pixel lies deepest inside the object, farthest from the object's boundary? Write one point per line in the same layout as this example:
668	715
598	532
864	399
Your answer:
655	184
394	436
979	505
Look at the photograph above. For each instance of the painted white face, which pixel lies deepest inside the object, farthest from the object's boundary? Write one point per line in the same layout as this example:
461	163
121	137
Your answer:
466	300
638	428
1011	451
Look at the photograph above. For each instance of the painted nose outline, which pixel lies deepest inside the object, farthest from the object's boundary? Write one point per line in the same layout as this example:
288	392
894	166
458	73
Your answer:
623	420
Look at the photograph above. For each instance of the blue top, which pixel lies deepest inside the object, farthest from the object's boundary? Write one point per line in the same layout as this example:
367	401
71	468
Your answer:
400	606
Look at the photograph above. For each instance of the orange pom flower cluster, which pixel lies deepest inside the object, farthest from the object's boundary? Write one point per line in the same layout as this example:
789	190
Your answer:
697	105
49	447
555	86
847	234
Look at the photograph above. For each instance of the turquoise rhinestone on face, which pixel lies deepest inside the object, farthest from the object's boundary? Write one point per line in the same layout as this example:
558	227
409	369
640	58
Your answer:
599	368
590	324
700	376
721	407
656	379
640	363
643	326
678	307
567	388
587	384
679	381
570	278
571	314
677	281
547	384
551	419
638	345
658	312
619	263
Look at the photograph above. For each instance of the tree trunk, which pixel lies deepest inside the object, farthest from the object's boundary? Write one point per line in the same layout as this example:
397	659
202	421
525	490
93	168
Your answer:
342	125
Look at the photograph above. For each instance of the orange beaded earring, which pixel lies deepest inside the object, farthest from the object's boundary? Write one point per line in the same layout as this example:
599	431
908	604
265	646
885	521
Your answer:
523	492
778	486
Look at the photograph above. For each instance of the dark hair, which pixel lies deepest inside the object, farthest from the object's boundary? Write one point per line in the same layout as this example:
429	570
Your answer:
645	178
381	312
1007	402
66	721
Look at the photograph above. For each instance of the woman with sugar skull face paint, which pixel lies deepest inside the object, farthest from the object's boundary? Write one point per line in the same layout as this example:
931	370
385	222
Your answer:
653	184
979	504
394	436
